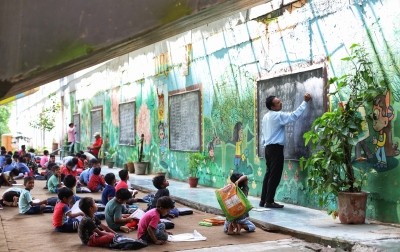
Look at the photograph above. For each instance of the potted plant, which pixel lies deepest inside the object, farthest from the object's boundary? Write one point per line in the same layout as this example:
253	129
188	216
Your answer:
333	135
111	156
196	160
141	165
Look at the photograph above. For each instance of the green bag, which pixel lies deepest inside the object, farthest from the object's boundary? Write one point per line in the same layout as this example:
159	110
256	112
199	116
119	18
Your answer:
233	202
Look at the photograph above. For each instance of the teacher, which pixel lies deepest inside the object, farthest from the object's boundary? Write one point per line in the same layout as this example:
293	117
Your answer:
95	148
273	139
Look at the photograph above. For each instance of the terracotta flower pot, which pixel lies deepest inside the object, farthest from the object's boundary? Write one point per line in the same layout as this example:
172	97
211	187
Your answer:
352	207
130	167
193	181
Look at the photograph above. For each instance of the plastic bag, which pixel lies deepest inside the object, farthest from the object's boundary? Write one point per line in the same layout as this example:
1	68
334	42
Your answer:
233	202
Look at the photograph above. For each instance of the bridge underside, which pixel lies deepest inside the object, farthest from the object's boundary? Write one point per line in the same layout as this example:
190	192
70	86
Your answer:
41	41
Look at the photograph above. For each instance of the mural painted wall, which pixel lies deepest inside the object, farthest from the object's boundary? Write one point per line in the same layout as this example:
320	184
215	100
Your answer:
225	59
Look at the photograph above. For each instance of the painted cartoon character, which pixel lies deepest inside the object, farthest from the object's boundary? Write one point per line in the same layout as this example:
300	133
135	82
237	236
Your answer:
211	145
237	139
382	115
163	140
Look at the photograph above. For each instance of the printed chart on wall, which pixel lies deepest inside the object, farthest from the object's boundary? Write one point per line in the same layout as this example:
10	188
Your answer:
77	123
185	121
96	118
127	123
291	89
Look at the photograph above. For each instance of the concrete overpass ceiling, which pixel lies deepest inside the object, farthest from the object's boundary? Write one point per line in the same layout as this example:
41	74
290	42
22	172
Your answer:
41	41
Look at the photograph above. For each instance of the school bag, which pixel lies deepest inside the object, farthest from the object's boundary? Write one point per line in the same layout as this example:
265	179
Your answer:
233	202
125	243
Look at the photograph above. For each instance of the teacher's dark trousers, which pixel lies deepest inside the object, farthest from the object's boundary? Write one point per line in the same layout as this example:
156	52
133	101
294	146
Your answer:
274	158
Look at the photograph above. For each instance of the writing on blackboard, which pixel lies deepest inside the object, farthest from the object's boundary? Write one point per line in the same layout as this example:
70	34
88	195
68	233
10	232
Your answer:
184	121
96	118
127	123
291	89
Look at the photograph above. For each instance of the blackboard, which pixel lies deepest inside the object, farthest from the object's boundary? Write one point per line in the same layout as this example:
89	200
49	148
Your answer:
291	89
127	123
77	123
96	118
184	121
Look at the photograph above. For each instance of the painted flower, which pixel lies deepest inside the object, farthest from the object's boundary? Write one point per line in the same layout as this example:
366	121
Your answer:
143	126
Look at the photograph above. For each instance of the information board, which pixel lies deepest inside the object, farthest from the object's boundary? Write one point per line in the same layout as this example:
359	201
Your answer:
96	118
127	123
185	121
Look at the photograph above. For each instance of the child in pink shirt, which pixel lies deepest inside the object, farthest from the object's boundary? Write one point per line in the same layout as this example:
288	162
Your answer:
44	159
149	228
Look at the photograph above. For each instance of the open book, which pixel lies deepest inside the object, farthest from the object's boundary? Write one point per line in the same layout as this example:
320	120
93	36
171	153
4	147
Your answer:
75	209
137	214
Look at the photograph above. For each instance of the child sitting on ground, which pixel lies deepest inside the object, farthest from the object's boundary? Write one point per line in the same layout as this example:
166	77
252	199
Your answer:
70	182
7	178
149	228
109	191
91	231
54	183
63	219
123	183
235	226
26	204
44	159
161	184
8	165
11	197
87	173
96	181
114	208
22	167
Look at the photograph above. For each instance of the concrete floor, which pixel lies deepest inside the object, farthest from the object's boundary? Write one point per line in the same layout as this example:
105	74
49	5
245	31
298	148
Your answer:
301	222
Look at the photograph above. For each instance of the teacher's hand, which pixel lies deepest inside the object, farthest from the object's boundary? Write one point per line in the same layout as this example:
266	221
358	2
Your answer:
307	97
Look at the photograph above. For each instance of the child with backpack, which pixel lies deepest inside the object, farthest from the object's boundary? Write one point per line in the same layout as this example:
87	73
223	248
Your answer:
243	222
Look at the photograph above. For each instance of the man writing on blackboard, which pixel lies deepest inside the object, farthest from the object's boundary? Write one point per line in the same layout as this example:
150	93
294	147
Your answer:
95	148
273	140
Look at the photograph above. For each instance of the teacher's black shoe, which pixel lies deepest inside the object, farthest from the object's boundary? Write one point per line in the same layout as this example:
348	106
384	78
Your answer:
273	205
262	204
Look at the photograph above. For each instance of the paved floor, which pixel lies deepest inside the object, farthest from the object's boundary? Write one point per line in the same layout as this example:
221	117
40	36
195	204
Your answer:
312	225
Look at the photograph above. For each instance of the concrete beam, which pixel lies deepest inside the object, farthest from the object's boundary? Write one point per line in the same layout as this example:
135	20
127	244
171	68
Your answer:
45	40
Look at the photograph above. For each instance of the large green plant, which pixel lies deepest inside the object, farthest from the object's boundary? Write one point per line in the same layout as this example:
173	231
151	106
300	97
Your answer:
196	160
332	135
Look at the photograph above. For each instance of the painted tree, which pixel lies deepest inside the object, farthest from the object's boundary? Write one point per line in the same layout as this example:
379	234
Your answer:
46	120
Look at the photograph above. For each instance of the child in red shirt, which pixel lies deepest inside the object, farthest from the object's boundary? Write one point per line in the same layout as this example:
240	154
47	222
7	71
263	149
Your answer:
63	219
96	181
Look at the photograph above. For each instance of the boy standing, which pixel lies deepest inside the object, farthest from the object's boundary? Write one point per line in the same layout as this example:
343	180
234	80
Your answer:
63	219
91	231
149	228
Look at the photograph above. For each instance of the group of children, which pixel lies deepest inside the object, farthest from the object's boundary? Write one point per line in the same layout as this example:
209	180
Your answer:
116	198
